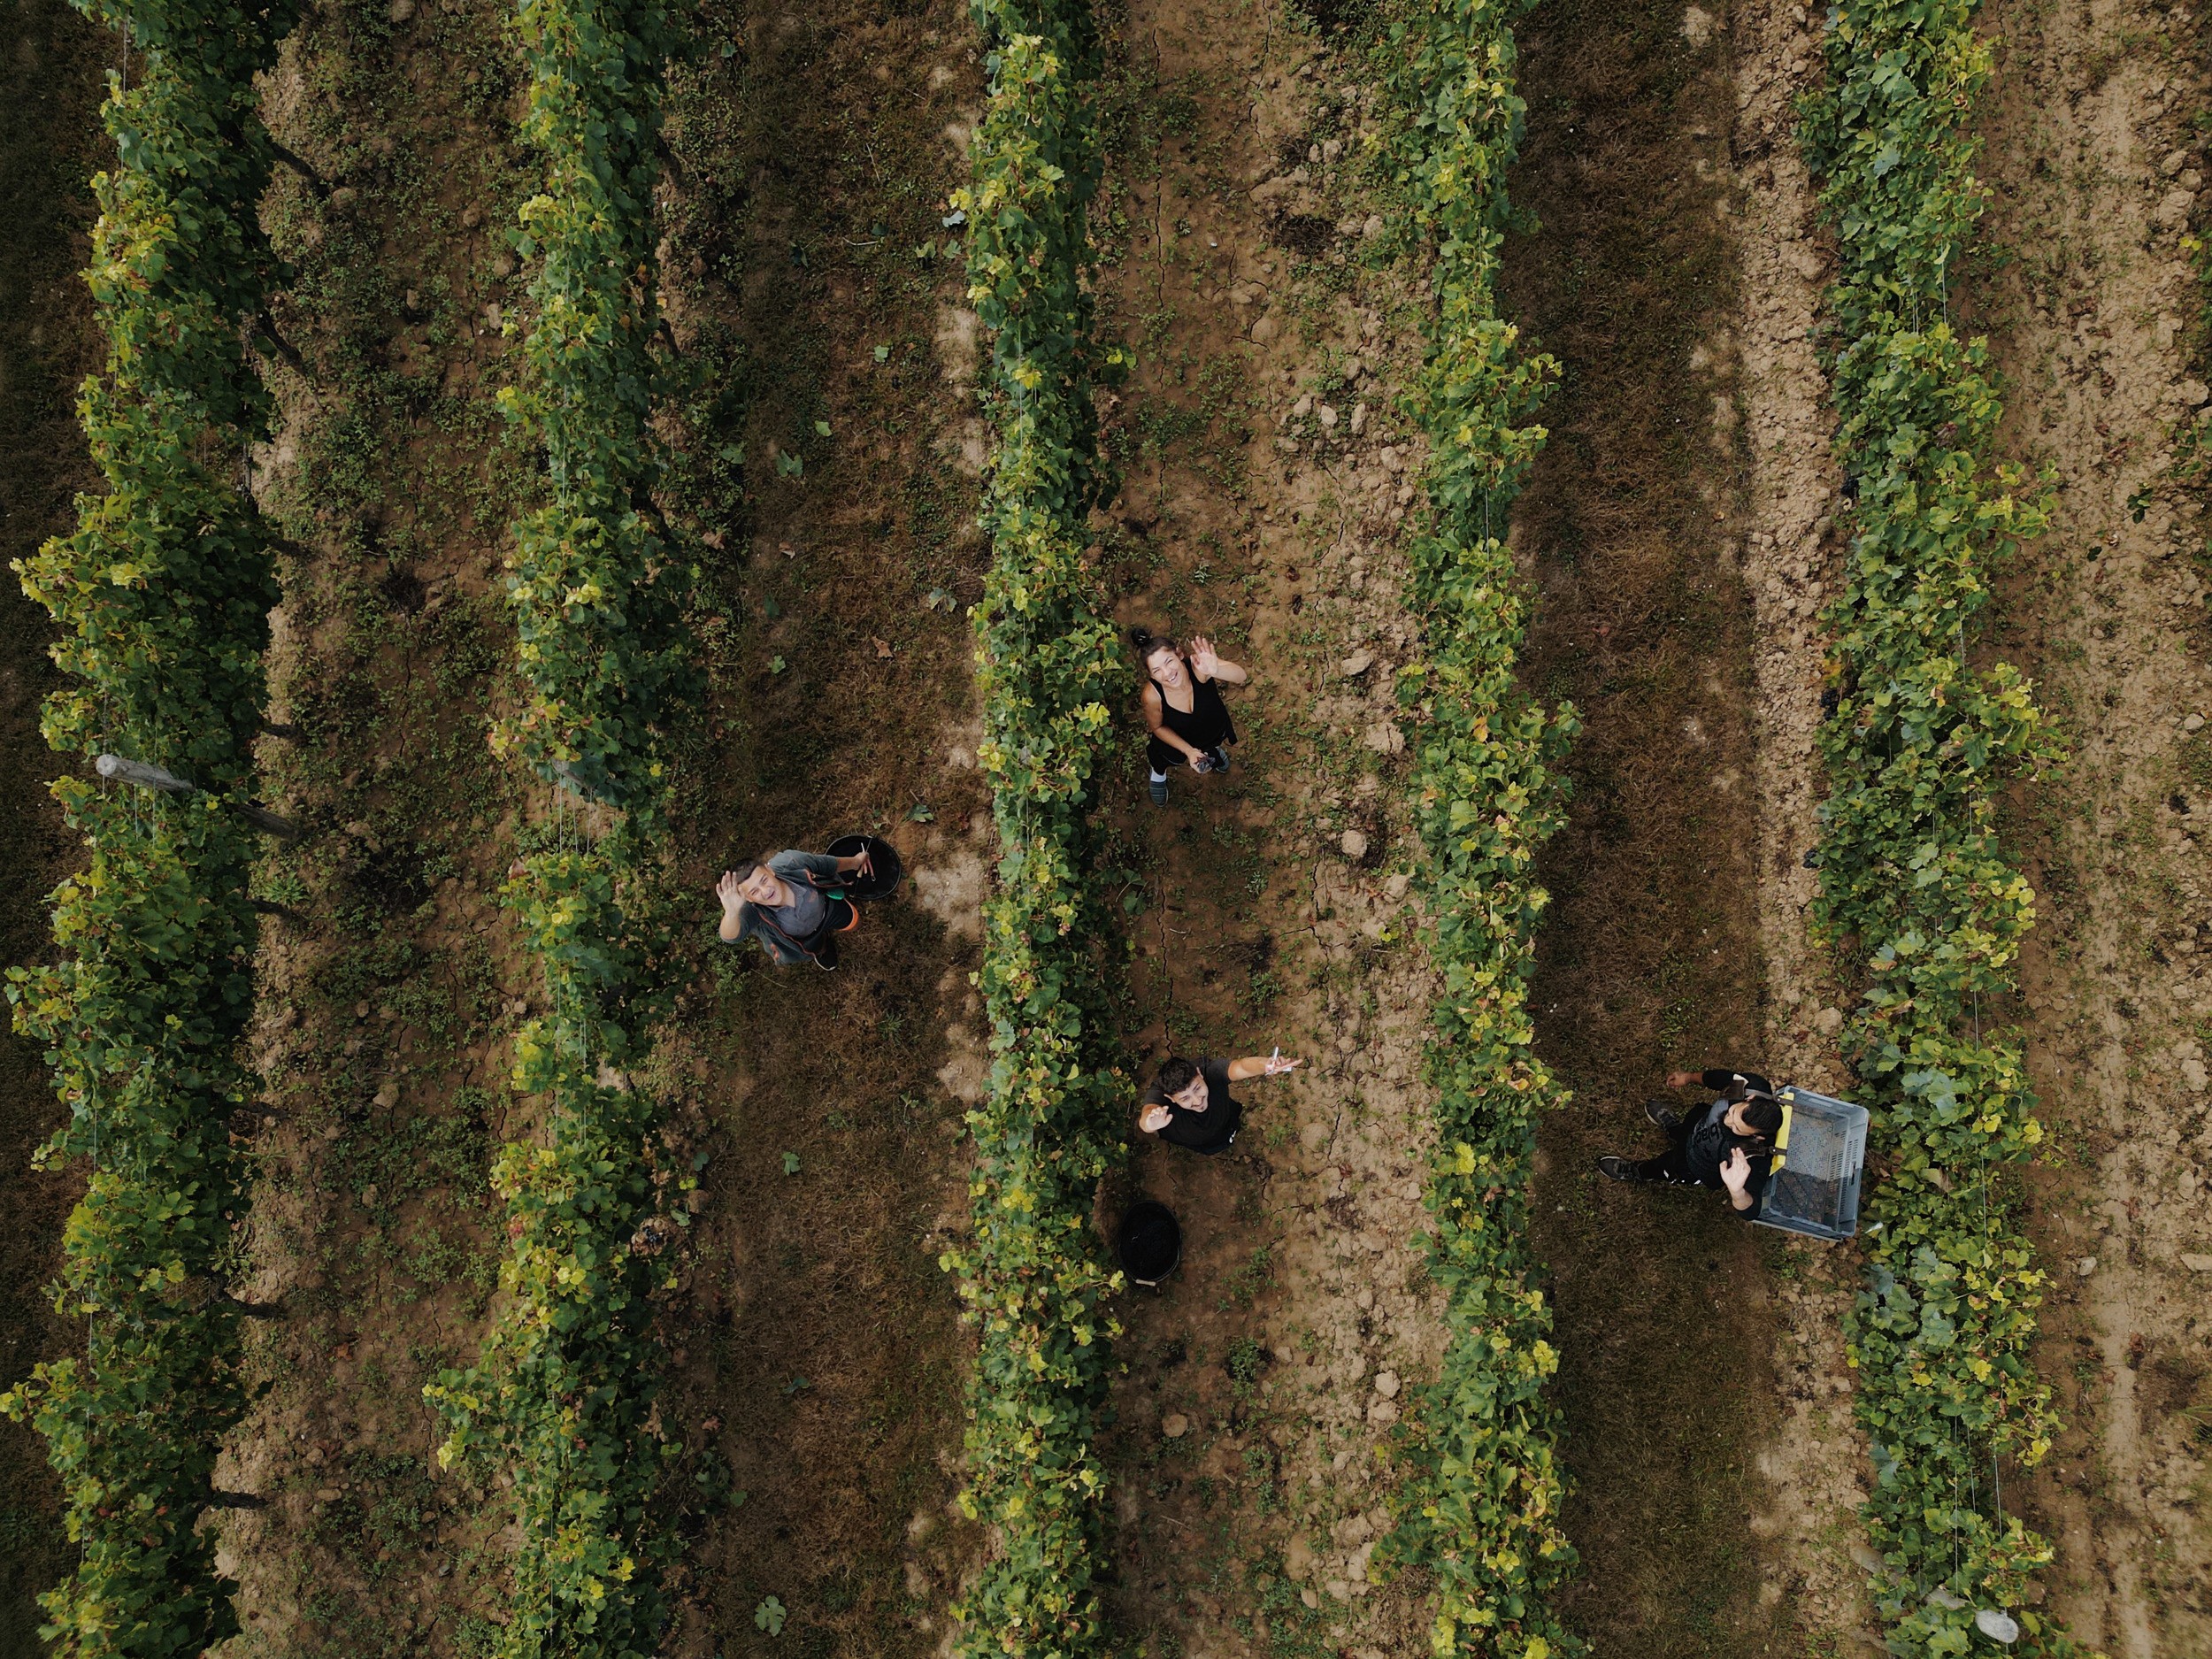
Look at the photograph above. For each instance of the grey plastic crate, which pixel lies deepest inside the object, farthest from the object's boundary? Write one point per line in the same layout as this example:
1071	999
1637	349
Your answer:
1816	1192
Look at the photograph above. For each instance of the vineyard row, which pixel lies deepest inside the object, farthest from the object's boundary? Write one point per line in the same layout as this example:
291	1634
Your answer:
1483	1513
560	1401
1917	744
1033	1278
161	598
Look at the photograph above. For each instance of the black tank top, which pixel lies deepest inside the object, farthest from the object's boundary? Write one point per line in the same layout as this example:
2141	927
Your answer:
1207	725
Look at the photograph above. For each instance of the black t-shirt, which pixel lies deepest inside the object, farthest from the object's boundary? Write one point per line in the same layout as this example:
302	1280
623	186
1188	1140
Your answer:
1210	1130
1709	1141
1734	1085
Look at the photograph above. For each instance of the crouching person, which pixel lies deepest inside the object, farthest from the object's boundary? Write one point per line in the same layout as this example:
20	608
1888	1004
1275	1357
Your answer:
1728	1145
789	901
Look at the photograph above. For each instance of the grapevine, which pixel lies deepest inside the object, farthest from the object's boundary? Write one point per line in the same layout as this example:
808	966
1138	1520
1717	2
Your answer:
1912	874
161	596
1483	1511
1033	1277
561	1398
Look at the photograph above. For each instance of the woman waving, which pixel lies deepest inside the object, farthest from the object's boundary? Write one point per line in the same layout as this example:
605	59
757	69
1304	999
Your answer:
1183	708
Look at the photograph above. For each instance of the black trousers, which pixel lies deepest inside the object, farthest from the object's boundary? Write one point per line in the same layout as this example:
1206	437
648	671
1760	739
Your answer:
824	944
1672	1168
1163	759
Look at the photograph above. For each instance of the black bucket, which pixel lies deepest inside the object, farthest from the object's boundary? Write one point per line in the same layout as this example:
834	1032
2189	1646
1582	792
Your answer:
881	855
1148	1243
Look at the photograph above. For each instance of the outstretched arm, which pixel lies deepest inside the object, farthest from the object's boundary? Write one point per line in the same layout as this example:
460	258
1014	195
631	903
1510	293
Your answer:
1262	1065
1717	1077
1206	665
733	909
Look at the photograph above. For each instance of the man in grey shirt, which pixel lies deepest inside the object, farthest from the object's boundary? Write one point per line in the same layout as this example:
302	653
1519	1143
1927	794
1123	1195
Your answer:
786	902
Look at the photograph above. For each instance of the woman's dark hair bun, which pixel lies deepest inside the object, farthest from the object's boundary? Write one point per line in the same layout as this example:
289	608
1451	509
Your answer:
1143	639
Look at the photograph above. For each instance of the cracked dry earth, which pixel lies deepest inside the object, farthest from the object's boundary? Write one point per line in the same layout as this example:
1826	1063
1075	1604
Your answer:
2093	152
1261	500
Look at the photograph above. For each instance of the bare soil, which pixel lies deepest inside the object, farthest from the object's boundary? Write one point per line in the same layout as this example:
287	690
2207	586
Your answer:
50	143
2096	318
1673	527
1263	487
387	997
1779	427
820	1354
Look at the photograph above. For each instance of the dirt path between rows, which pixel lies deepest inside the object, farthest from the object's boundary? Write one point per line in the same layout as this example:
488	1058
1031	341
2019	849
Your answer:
389	991
50	143
819	1354
1780	427
1677	526
2095	317
1263	487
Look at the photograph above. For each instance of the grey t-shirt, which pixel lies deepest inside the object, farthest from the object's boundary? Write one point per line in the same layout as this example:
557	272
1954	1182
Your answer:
799	920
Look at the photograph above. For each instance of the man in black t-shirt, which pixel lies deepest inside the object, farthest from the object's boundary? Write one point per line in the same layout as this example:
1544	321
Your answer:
1729	1144
1189	1102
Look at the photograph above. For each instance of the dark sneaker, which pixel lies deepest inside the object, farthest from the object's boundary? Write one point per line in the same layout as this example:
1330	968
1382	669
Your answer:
1616	1169
1663	1114
1159	792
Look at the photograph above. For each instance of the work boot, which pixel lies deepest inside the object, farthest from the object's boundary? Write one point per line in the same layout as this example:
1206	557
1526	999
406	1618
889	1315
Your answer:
1663	1114
1617	1170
